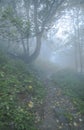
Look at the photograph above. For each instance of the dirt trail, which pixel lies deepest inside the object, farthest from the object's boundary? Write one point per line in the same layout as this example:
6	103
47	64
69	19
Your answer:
59	111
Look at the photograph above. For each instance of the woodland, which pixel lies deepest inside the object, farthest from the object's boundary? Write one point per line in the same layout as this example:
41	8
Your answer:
41	65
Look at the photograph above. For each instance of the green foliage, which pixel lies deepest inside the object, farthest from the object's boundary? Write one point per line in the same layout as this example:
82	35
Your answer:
7	13
17	21
3	58
18	88
69	116
22	27
27	27
73	85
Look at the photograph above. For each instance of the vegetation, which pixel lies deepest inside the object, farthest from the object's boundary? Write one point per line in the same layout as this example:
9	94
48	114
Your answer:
72	84
19	28
21	94
58	27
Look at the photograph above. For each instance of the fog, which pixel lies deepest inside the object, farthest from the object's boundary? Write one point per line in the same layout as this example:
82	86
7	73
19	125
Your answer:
58	52
55	42
41	64
59	49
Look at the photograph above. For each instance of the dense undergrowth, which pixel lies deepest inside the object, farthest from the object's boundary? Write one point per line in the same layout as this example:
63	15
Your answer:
72	84
21	95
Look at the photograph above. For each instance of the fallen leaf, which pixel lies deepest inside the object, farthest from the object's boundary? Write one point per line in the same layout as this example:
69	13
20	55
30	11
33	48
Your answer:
80	120
75	124
30	87
31	104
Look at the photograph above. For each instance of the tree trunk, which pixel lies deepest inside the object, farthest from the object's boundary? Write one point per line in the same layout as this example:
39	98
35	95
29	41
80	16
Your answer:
37	49
79	44
23	45
27	46
27	7
25	56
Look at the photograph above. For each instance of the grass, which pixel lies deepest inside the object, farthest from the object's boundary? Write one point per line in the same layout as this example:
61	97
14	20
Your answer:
21	93
72	84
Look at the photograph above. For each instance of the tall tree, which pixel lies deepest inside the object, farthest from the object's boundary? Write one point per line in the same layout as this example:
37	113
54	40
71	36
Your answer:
35	17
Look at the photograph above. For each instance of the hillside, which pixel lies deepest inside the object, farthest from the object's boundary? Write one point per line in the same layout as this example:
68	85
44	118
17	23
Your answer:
32	100
21	95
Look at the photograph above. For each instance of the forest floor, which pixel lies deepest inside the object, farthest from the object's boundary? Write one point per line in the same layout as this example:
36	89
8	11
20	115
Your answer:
35	100
59	111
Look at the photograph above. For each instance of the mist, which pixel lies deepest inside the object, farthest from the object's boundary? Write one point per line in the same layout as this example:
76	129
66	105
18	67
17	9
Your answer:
41	65
53	61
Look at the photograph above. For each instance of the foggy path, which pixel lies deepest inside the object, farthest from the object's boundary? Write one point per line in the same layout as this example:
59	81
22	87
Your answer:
59	112
42	64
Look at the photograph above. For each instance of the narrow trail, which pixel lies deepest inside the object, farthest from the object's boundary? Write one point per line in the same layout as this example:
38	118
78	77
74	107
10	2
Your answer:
59	111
